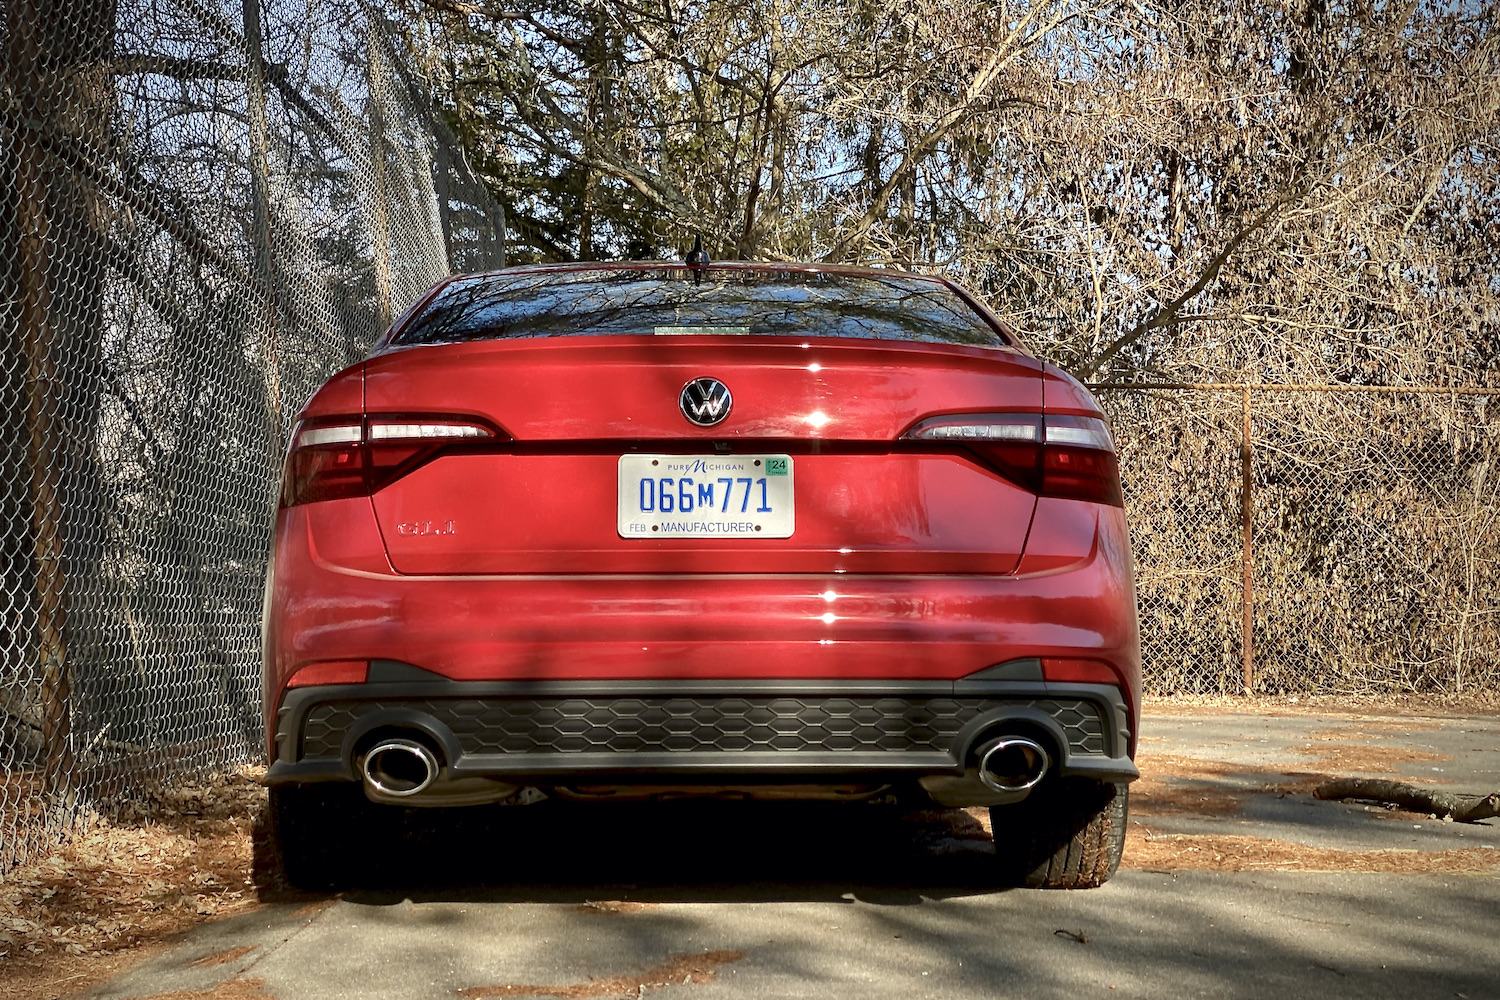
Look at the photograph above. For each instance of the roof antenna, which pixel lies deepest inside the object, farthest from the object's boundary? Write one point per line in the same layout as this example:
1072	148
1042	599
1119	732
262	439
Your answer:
697	258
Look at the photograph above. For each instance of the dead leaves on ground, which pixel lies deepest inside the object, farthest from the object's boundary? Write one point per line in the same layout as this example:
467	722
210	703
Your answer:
154	868
1153	851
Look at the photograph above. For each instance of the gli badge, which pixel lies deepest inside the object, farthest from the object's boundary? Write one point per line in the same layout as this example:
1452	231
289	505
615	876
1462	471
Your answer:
425	528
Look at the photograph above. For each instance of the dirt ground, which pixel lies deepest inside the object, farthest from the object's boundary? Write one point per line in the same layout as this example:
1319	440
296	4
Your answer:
132	883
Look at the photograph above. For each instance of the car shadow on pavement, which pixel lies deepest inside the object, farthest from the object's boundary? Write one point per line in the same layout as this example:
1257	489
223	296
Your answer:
686	851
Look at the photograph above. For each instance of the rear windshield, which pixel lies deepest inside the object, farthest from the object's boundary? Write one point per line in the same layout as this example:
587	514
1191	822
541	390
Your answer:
667	302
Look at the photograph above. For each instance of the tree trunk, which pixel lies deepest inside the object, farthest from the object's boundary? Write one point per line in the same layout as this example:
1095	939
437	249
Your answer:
36	335
56	69
260	197
53	68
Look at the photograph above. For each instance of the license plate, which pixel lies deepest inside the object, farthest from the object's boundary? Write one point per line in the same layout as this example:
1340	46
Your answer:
705	496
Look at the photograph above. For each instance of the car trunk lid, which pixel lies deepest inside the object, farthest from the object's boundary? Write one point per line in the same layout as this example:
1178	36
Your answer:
548	500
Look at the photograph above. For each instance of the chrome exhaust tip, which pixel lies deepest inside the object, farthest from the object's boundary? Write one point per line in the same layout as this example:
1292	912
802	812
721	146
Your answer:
399	767
1013	764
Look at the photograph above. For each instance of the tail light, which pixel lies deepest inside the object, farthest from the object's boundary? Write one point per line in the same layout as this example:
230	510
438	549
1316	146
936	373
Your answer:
334	458
1051	455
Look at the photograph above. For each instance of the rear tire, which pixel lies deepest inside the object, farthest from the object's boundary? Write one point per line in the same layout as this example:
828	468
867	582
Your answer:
1069	833
323	833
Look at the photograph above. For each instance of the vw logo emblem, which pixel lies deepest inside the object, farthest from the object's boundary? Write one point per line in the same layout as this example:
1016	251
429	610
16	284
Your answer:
705	401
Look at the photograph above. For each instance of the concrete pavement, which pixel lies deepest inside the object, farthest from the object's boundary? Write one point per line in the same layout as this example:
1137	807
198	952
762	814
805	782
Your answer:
751	901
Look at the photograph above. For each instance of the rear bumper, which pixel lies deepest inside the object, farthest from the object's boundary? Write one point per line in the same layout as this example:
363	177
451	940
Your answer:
565	732
611	679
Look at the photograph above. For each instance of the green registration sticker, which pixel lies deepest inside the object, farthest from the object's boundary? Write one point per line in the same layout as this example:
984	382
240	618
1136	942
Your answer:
777	466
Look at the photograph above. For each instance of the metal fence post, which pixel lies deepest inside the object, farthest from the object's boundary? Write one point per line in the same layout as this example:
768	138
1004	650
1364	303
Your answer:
1247	569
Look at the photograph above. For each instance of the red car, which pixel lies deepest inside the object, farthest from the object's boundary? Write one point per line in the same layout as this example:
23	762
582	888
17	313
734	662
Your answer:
638	531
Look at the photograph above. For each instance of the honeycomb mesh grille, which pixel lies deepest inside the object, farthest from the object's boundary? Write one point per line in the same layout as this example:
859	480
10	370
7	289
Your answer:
688	724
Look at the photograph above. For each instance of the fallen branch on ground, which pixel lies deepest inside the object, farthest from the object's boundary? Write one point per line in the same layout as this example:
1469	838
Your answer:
1462	808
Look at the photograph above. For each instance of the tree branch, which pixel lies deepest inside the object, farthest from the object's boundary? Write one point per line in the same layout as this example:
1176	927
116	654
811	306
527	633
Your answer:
1168	314
1463	808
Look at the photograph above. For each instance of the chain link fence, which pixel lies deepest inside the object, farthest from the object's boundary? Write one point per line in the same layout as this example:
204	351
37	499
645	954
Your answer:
206	208
1368	520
